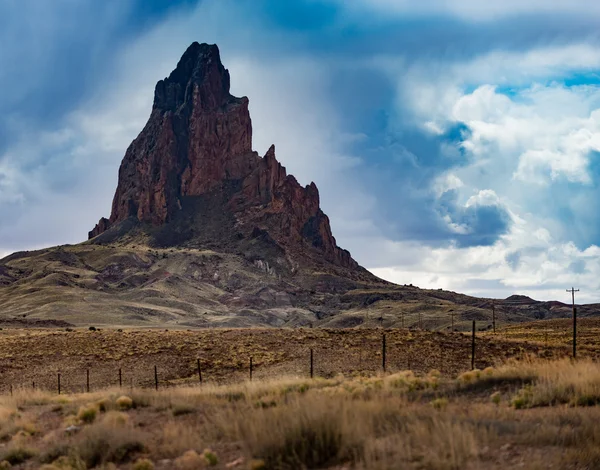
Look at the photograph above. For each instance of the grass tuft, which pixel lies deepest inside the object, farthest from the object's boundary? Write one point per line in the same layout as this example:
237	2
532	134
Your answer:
124	402
17	454
87	414
101	444
143	464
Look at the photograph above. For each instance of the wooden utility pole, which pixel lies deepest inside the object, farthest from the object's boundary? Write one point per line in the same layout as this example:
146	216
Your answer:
452	316
494	317
572	290
473	347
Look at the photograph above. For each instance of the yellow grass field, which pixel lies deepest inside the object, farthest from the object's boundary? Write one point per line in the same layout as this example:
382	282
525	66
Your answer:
528	414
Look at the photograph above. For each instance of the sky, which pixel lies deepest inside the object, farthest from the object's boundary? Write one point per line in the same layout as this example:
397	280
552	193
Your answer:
455	143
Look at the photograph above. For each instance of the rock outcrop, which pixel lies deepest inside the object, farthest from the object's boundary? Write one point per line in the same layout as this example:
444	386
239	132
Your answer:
198	141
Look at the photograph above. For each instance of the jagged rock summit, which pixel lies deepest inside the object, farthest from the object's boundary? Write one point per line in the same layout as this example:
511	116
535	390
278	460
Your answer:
191	176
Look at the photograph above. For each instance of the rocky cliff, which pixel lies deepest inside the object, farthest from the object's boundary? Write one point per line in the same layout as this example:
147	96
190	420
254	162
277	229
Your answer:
197	144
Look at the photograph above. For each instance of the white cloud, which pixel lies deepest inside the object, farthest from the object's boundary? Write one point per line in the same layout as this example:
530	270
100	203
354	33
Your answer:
446	182
485	197
542	270
521	141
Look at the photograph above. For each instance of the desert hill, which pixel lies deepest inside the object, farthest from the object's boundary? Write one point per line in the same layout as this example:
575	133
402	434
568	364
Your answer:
205	232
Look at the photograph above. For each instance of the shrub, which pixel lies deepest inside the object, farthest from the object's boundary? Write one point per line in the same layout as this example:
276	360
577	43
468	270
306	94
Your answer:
191	460
124	402
102	405
143	464
467	377
87	414
100	444
5	465
55	452
210	457
313	438
440	403
17	455
92	328
68	463
496	397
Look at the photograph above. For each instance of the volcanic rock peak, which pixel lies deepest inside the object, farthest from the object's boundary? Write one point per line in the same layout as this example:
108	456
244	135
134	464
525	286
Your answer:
198	142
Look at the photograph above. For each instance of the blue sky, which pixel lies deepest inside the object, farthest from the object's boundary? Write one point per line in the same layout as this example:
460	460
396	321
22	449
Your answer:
456	144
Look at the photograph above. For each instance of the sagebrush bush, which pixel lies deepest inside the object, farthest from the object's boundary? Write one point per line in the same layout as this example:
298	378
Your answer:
66	463
143	464
190	460
103	405
87	414
440	403
18	454
210	457
302	438
101	443
124	402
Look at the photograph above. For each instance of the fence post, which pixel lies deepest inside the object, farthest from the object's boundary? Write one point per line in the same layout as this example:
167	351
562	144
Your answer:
156	377
250	367
87	384
120	378
311	364
59	383
199	372
11	390
473	347
383	352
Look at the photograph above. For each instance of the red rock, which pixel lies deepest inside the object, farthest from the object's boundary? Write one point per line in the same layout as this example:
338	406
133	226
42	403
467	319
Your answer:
197	139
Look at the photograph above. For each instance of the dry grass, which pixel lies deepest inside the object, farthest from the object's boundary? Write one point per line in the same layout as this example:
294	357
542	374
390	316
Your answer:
400	420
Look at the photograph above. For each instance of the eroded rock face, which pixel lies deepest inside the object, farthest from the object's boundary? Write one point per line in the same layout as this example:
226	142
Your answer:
197	139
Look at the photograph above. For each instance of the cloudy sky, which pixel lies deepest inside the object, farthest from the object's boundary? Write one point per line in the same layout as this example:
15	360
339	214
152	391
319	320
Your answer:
456	143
